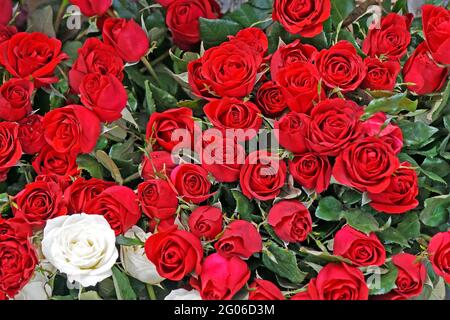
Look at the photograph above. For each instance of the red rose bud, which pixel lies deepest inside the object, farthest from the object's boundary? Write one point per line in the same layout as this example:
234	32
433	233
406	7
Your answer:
439	254
191	182
240	239
270	100
15	99
158	199
436	28
175	253
423	73
361	249
51	162
206	222
290	131
264	290
221	278
31	134
10	148
6	11
311	171
290	220
301	17
92	8
389	133
82	192
157	163
128	39
381	75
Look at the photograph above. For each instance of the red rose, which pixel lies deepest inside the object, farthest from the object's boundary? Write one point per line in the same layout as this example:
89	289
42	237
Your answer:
262	176
334	124
290	131
15	99
175	253
424	74
391	39
221	278
381	75
33	56
301	17
18	260
128	39
300	84
366	165
206	222
231	113
52	162
95	57
338	281
6	32
39	202
341	67
241	239
253	37
158	199
10	149
290	220
222	157
229	70
31	134
155	225
105	95
410	279
361	249
162	126
264	290
6	11
82	191
311	171
62	182
400	196
289	54
270	100
119	205
191	182
439	254
436	28
157	163
92	8
73	129
389	133
182	19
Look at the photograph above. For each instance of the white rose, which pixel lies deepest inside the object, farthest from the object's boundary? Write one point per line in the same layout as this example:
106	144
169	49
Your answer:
81	246
183	294
37	289
134	260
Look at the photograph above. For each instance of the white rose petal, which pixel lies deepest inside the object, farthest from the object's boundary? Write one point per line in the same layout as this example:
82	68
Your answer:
183	294
81	246
134	260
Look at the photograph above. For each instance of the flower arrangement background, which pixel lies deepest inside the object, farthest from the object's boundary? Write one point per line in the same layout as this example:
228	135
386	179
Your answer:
348	199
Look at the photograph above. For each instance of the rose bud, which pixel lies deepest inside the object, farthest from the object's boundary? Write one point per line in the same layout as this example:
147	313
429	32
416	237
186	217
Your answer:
6	11
175	253
95	57
157	163
311	171
391	134
128	39
31	134
72	129
400	196
361	249
49	161
157	199
191	182
435	20
301	17
439	254
10	148
290	131
241	239
32	56
105	95
391	39
91	8
82	192
270	100
15	99
381	75
206	222
119	205
366	165
290	220
424	74
264	290
221	278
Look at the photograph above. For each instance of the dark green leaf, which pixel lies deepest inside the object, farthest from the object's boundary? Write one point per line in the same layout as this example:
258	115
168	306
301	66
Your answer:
362	221
436	211
91	165
283	263
391	105
149	102
340	9
329	209
386	282
124	241
214	32
417	134
409	227
244	207
392	235
163	99
124	291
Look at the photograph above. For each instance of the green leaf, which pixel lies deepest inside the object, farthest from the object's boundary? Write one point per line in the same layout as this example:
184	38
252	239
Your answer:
409	227
436	112
71	48
109	164
163	99
436	211
247	15
283	263
392	235
391	105
244	207
417	134
362	221
340	9
329	209
386	283
42	21
129	242
437	166
215	31
124	291
91	165
181	59
149	103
